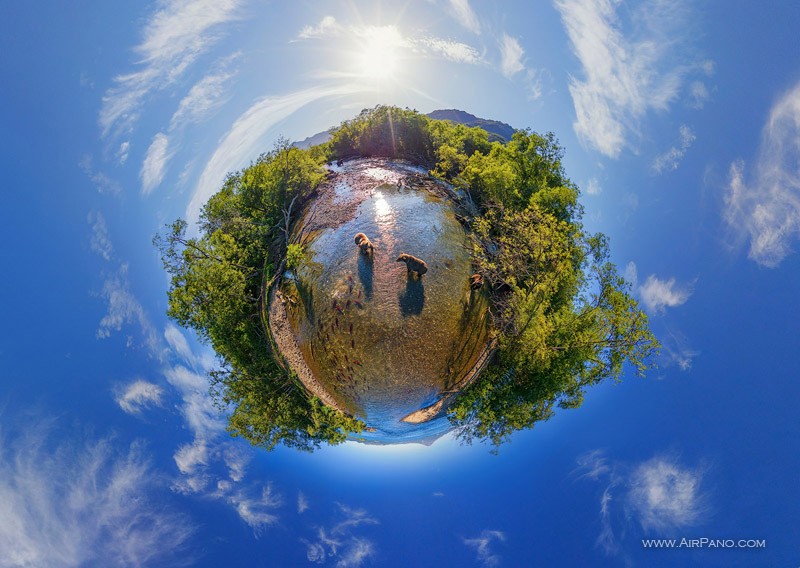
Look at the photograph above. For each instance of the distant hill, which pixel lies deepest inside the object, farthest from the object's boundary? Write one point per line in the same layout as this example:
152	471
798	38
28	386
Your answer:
501	130
318	138
497	130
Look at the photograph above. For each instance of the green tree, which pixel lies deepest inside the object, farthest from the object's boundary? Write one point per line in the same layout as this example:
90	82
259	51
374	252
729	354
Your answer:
218	288
564	319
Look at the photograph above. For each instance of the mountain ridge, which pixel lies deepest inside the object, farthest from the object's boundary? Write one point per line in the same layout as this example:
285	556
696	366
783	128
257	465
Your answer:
498	131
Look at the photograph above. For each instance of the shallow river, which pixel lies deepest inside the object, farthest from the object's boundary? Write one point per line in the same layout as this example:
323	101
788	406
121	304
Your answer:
383	342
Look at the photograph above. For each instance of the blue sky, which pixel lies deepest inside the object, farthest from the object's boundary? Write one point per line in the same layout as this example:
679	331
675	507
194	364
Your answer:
681	123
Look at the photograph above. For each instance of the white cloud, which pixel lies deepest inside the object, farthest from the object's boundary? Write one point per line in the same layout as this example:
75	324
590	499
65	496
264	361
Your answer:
670	159
593	465
632	274
533	81
82	504
155	163
452	50
675	350
122	152
138	395
511	52
339	542
198	409
766	208
660	494
315	552
666	496
356	552
606	539
302	503
244	139
102	182
125	309
173	38
627	72
206	96
236	459
190	457
327	26
593	187
177	342
256	511
199	462
463	13
698	94
100	242
483	546
659	294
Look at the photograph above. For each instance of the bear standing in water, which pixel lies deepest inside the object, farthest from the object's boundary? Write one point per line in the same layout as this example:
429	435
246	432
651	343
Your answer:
413	264
364	243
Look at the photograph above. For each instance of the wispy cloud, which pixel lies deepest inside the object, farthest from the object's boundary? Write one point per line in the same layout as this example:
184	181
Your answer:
327	26
593	465
243	141
658	294
257	510
765	209
511	56
102	182
173	38
483	546
660	494
155	163
670	159
122	152
452	50
628	70
698	94
205	96
81	503
593	186
138	395
212	466
124	309
339	541
99	241
677	351
512	63
302	503
665	496
464	15
178	343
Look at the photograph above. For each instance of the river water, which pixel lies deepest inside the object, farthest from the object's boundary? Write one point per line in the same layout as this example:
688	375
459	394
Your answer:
383	342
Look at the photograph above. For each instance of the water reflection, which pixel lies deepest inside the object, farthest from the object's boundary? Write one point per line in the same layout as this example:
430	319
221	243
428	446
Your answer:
382	343
412	300
382	208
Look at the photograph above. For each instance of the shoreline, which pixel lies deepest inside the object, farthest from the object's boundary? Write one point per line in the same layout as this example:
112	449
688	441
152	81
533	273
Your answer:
289	351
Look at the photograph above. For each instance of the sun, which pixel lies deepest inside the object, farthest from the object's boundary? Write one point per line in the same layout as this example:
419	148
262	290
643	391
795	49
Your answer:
379	52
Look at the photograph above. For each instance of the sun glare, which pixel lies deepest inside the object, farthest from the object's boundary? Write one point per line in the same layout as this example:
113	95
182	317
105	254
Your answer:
380	48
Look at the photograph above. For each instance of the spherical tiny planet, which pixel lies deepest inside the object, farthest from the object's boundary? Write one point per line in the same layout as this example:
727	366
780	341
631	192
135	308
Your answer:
379	318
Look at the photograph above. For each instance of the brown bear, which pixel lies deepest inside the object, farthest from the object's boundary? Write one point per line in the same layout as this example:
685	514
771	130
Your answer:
364	243
413	264
475	281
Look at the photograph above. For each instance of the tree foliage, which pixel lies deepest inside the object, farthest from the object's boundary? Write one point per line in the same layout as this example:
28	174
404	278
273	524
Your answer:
564	319
217	288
